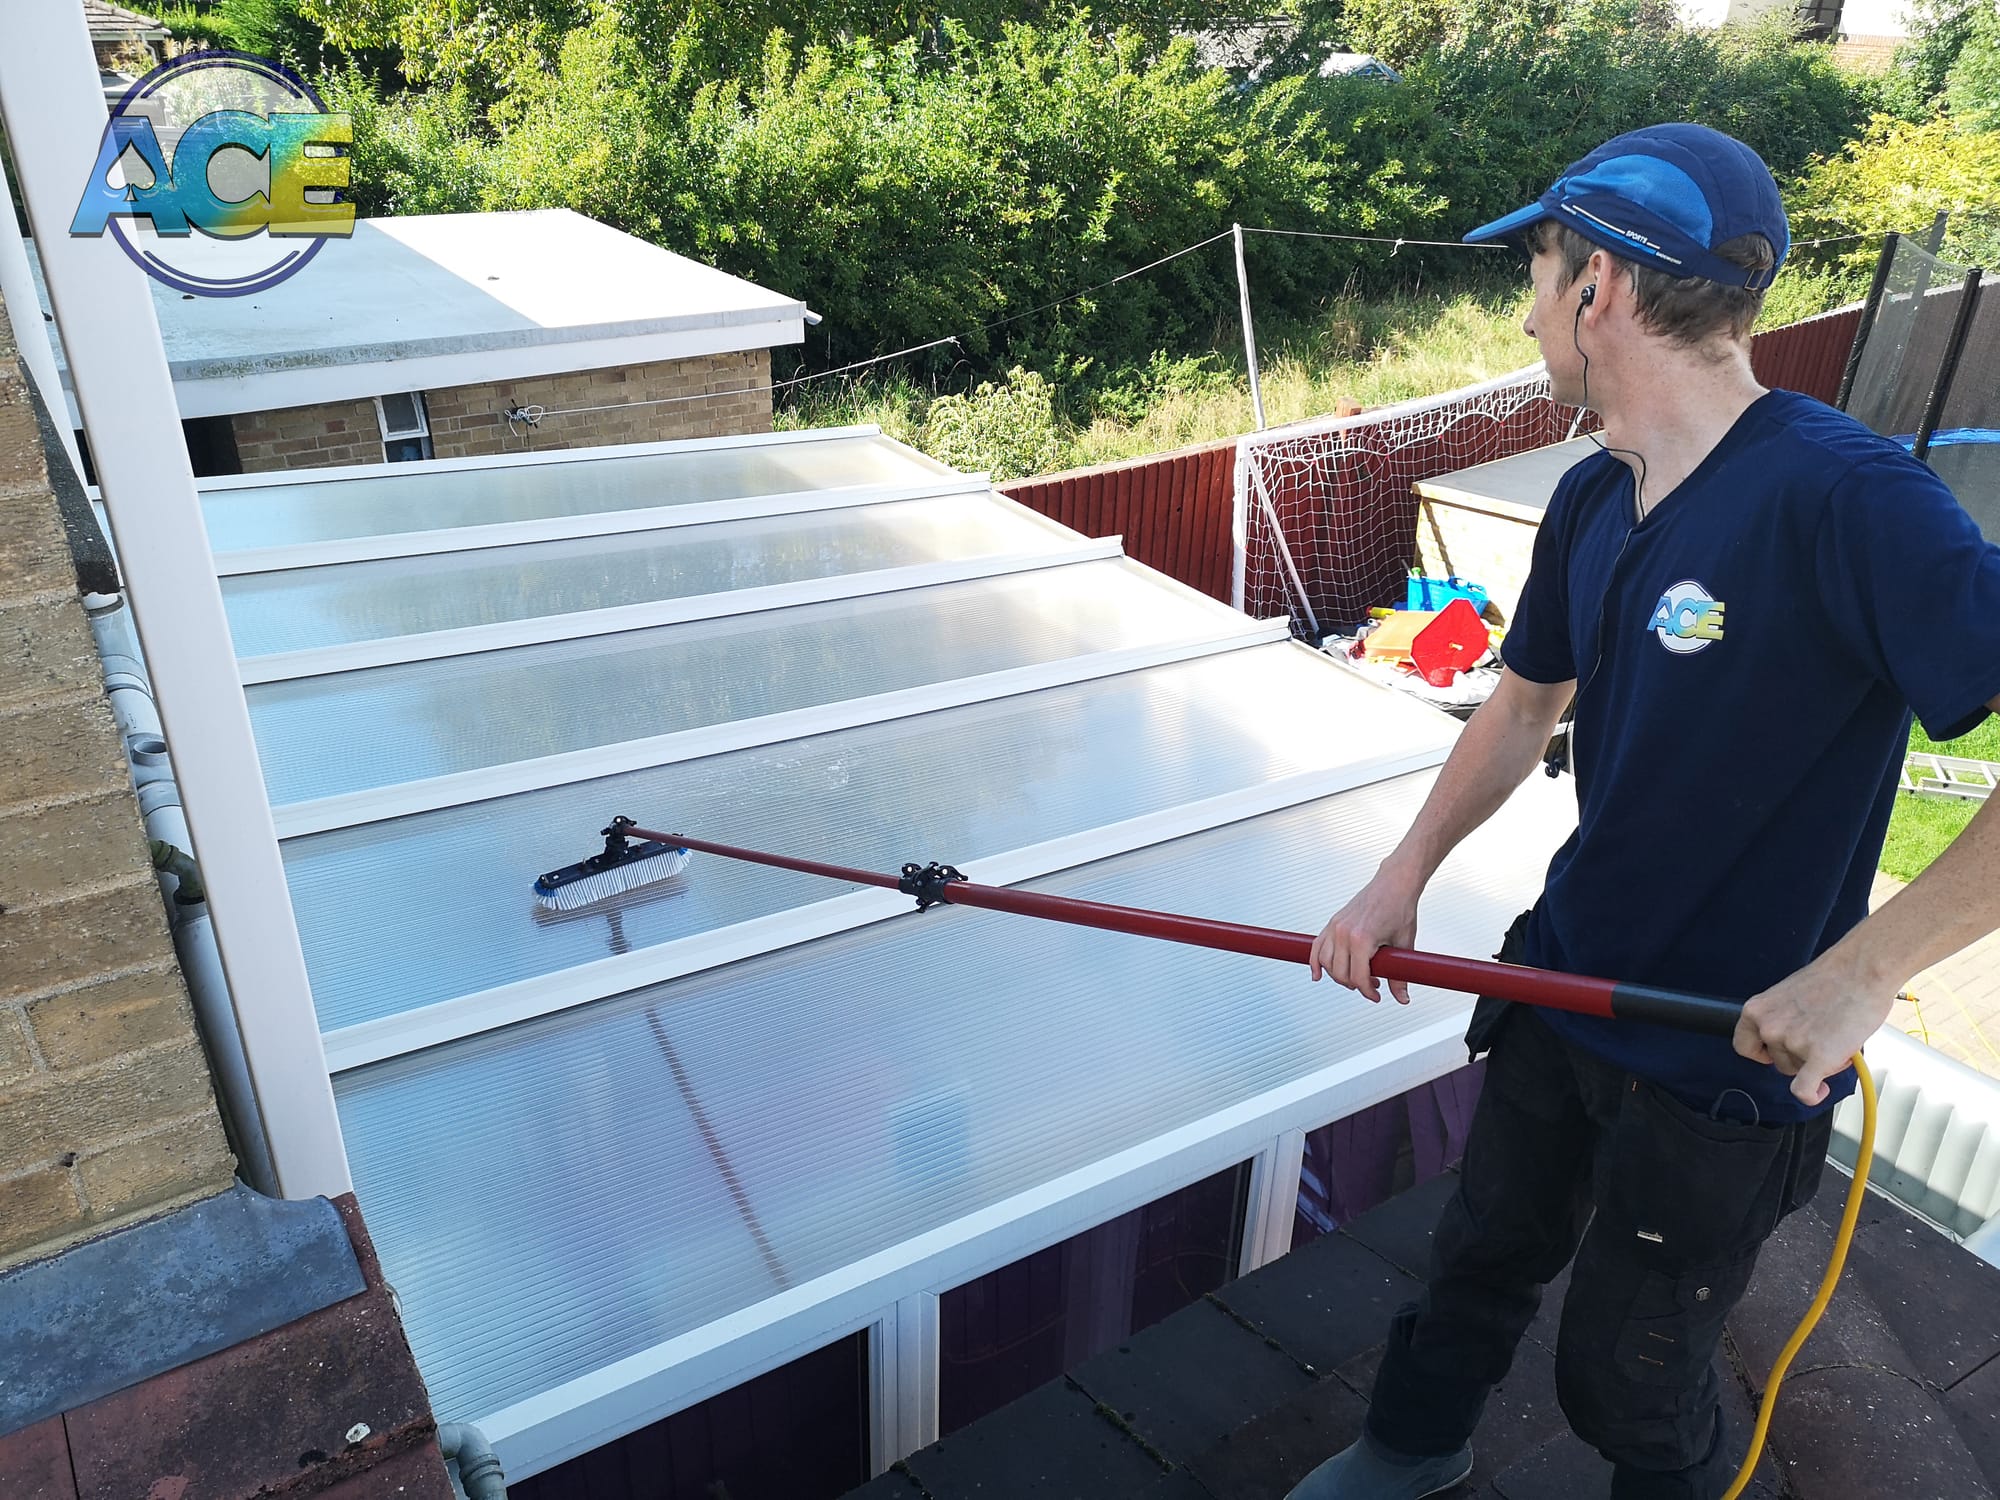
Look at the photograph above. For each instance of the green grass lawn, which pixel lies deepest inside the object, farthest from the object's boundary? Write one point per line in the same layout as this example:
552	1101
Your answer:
1920	827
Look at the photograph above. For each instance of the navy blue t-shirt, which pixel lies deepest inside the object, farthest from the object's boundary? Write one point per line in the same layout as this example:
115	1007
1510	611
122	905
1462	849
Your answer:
1747	658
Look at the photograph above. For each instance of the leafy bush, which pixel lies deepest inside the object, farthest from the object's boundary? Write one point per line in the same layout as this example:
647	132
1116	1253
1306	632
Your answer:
413	153
909	197
269	28
194	28
1901	176
1008	430
1972	87
995	181
1938	31
1525	97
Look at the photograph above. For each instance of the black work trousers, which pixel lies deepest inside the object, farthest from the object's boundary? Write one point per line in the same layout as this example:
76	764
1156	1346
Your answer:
1664	1210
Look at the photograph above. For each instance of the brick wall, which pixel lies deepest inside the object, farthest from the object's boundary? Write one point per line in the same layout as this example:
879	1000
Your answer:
106	1106
309	437
468	420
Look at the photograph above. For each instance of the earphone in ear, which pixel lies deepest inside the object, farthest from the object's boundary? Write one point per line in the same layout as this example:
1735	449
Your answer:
1587	296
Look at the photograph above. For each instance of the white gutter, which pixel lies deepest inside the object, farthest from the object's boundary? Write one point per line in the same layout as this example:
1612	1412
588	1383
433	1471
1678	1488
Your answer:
54	112
138	720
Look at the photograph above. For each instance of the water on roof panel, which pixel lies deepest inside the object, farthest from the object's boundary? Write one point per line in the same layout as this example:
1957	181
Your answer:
309	607
424	908
319	736
867	1088
425	499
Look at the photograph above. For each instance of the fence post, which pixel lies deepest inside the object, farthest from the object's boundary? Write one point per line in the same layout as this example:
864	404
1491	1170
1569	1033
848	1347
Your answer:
1249	330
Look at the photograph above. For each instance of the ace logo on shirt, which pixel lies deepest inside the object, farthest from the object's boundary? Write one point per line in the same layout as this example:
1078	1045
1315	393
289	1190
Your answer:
1687	618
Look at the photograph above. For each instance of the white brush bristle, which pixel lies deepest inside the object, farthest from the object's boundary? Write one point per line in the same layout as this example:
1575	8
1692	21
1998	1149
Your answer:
605	884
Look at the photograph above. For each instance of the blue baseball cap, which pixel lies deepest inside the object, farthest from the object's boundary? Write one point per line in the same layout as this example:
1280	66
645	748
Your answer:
1664	197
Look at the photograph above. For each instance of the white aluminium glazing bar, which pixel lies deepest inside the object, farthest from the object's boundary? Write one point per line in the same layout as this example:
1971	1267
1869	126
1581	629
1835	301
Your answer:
53	106
976	1117
319	661
377	547
537	456
355	808
357	731
367	1042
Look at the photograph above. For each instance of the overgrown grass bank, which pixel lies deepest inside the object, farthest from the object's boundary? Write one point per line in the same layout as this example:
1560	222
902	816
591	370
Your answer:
1370	351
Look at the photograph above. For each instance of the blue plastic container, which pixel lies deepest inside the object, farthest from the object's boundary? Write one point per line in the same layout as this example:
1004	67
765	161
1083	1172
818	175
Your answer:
1436	593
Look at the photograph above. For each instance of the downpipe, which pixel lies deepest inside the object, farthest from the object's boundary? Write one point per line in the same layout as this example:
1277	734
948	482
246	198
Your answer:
479	1476
130	692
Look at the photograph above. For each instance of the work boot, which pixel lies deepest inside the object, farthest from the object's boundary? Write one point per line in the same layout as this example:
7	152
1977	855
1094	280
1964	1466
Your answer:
1366	1470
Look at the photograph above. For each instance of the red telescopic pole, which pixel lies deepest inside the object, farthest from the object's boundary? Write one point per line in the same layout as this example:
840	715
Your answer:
1543	987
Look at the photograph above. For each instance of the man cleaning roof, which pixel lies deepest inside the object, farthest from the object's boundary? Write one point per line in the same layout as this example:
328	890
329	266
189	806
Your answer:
1742	578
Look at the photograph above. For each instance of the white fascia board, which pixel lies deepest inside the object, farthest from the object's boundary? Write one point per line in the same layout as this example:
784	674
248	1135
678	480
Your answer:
368	1042
478	538
529	458
298	819
321	661
593	1409
257	391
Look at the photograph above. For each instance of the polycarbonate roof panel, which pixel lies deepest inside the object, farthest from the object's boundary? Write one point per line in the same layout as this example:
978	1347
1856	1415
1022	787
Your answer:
302	608
319	736
426	499
865	1089
427	907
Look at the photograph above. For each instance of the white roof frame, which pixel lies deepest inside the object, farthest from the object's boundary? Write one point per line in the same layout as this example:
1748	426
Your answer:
390	544
376	804
485	1010
318	661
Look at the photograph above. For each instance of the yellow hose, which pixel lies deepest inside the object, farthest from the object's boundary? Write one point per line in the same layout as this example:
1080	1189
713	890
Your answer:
1842	1238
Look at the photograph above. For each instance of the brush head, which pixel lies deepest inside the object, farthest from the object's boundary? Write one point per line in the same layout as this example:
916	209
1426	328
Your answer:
621	866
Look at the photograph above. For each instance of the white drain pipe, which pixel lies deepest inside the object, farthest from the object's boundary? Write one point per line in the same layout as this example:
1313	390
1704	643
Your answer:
138	720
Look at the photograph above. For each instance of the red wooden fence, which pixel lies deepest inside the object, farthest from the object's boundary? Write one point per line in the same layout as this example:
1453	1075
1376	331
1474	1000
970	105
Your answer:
1173	509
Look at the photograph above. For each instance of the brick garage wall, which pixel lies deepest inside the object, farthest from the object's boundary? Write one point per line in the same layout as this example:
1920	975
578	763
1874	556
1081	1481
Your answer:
107	1110
468	420
308	437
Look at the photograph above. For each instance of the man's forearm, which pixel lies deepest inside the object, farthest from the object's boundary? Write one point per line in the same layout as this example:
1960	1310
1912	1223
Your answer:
1500	745
1953	903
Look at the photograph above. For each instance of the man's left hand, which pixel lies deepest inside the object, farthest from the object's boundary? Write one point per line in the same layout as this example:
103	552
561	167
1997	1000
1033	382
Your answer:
1810	1026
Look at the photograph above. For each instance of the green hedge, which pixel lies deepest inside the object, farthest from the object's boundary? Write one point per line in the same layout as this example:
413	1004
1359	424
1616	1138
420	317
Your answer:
923	188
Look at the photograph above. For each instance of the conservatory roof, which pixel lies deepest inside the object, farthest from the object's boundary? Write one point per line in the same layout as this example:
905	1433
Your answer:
724	1117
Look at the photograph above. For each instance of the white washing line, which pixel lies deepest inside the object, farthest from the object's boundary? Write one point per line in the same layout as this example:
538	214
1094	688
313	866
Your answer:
538	630
479	537
285	478
356	1046
582	1413
347	810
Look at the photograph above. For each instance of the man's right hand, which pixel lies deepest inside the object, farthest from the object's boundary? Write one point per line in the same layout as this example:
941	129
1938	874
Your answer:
1382	914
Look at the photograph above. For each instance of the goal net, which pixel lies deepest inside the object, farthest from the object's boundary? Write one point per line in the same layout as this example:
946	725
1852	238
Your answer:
1325	519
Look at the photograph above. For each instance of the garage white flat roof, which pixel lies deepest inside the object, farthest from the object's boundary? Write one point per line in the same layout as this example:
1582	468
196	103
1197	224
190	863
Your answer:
429	301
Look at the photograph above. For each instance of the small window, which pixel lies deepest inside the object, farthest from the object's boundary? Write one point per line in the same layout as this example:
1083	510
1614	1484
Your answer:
406	432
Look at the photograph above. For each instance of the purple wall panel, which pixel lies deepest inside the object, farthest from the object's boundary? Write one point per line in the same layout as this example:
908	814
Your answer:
1016	1328
799	1432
